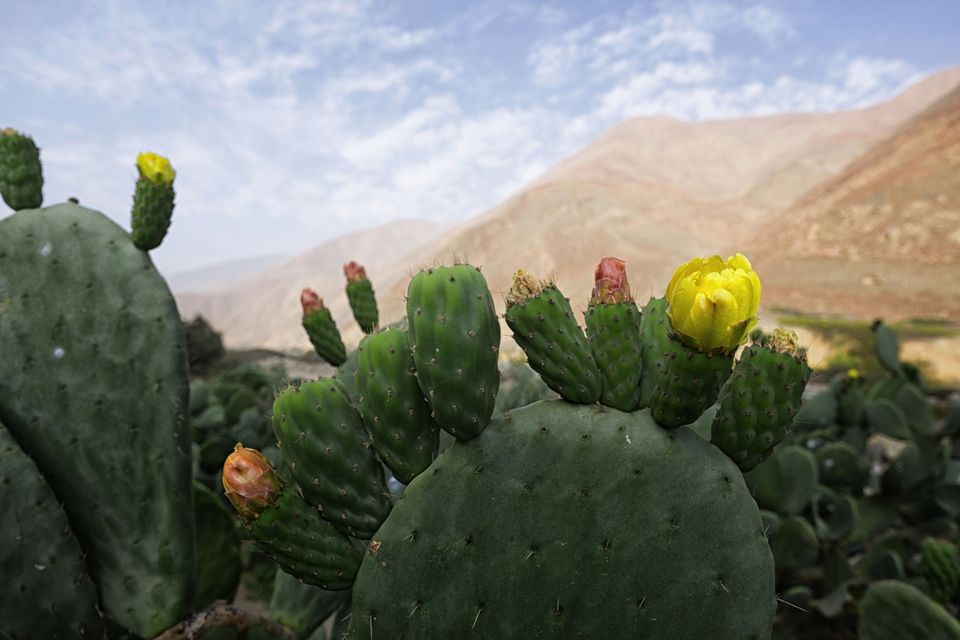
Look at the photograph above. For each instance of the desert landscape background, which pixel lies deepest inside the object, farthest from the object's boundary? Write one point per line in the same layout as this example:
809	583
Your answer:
853	213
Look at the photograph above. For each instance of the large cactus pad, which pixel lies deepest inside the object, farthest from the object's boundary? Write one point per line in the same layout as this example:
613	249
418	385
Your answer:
93	386
46	591
574	498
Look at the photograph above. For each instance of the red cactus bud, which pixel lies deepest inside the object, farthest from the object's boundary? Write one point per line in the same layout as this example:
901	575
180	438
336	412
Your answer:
354	272
611	286
310	301
249	481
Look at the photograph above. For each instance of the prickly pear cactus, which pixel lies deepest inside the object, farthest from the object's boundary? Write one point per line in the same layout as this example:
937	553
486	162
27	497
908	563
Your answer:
152	201
93	387
360	294
559	519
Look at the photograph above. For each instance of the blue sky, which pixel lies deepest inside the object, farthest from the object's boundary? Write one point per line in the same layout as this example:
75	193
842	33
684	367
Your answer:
293	122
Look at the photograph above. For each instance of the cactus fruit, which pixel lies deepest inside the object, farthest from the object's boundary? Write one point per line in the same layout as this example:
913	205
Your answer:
393	409
613	326
941	568
93	386
363	302
455	339
544	327
284	526
324	444
321	329
893	610
152	201
21	176
46	591
574	497
761	398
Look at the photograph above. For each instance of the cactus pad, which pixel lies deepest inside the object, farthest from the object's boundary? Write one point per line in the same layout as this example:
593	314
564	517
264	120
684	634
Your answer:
455	338
324	443
294	535
393	408
545	328
325	337
759	402
614	331
46	592
363	303
512	534
93	386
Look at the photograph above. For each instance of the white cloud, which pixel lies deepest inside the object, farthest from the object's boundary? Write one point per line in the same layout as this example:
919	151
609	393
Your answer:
299	121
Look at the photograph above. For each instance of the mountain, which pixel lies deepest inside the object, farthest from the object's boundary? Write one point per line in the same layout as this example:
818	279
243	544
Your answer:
657	191
882	238
218	276
652	191
263	310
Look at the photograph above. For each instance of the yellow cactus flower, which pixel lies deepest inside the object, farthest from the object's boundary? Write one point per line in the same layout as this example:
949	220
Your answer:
853	373
713	303
155	168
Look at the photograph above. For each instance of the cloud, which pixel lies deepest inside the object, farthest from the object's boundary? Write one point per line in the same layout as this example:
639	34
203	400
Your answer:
293	122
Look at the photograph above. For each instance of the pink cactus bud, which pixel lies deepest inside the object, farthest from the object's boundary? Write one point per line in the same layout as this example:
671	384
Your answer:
249	481
310	301
354	272
611	286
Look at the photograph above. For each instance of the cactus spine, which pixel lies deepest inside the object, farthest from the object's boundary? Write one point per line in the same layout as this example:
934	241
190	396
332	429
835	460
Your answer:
544	327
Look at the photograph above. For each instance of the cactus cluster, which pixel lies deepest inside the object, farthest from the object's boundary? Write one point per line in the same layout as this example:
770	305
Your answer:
587	516
863	497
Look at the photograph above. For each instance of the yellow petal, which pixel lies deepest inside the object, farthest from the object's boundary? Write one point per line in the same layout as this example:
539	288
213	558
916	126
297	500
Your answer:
739	261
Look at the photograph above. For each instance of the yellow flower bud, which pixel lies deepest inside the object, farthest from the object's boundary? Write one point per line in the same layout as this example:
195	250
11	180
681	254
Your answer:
853	373
155	168
713	303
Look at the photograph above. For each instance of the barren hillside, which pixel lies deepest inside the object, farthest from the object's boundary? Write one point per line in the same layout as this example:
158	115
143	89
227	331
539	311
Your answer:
653	191
264	310
883	237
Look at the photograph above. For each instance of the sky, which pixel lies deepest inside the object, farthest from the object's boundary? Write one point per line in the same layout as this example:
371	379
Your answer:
290	123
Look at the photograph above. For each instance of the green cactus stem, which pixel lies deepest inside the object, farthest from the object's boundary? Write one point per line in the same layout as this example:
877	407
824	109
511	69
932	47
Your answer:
152	201
363	302
544	327
455	339
284	526
325	446
761	398
393	408
613	326
321	329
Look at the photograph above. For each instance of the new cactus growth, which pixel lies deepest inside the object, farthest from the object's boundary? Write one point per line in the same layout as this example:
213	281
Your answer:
760	399
393	409
455	339
324	443
545	328
21	175
613	325
152	201
363	302
321	329
282	524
